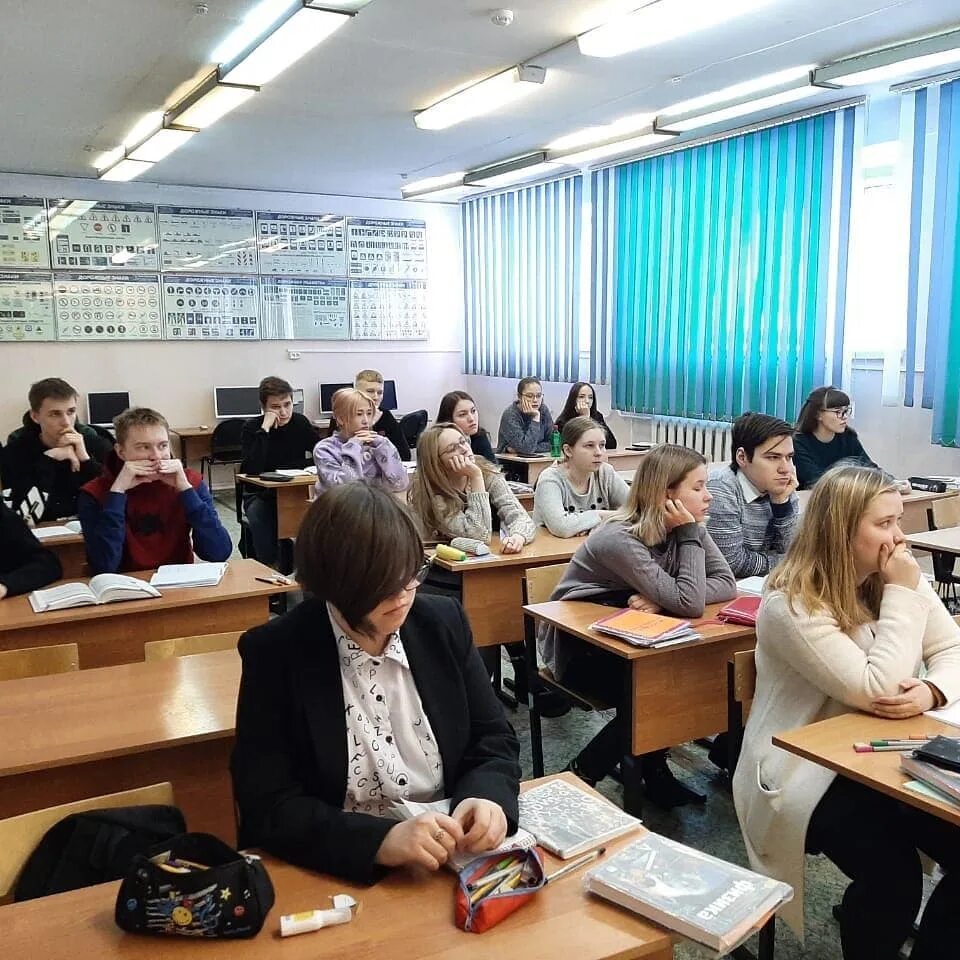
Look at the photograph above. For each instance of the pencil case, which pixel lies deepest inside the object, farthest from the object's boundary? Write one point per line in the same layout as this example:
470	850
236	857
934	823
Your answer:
488	911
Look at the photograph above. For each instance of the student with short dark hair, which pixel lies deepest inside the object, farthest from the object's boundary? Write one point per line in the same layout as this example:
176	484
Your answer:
25	564
49	458
278	439
755	508
582	402
364	695
458	407
370	384
146	509
526	425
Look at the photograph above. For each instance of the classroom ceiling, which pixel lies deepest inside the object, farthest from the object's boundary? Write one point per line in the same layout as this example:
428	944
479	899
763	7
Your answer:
76	75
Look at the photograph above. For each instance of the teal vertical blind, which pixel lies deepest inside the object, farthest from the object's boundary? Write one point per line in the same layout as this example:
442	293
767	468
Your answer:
728	265
521	258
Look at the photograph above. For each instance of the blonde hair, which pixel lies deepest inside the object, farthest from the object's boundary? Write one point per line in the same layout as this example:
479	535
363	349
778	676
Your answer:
346	402
818	570
432	495
573	431
132	417
660	470
368	376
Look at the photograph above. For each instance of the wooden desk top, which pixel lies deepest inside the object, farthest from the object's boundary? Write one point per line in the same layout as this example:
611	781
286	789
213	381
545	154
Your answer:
947	540
239	581
86	715
546	458
914	496
544	548
575	616
197	431
829	743
407	916
307	480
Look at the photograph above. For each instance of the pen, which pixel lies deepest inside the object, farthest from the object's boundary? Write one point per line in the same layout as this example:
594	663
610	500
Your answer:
886	747
889	740
274	581
573	865
489	878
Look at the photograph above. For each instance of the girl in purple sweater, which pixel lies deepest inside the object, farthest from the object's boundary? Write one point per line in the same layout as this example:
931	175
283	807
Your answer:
355	452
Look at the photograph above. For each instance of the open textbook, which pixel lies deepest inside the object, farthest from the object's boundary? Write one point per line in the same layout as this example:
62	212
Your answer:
710	901
103	588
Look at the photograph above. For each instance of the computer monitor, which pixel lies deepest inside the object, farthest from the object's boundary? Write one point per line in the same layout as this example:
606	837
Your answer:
236	402
327	390
103	407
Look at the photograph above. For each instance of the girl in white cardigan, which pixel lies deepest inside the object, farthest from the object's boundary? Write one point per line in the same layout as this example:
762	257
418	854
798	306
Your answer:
847	623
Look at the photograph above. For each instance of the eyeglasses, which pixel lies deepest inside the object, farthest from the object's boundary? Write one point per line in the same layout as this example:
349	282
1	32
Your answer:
418	577
532	396
462	444
843	413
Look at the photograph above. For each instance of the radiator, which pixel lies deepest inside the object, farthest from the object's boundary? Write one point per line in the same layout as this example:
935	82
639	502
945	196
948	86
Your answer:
709	437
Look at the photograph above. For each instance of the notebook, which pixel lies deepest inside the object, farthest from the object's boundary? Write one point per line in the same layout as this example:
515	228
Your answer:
948	714
103	588
189	574
742	610
945	781
751	586
645	629
69	529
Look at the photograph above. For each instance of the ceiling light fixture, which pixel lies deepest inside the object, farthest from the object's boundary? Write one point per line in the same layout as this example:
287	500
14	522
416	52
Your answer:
915	57
660	21
612	148
160	144
208	102
126	170
482	98
447	187
602	133
505	173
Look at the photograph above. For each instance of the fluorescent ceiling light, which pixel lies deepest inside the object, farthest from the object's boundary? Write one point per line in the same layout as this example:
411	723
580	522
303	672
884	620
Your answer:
482	98
144	127
915	57
209	102
253	26
304	27
602	133
109	158
515	170
161	144
614	148
432	184
126	170
659	22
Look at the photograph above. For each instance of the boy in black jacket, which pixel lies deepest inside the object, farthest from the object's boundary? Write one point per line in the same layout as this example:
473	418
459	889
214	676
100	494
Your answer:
25	564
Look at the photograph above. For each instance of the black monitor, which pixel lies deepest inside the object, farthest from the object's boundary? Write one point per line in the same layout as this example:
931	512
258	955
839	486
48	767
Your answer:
103	407
327	390
236	402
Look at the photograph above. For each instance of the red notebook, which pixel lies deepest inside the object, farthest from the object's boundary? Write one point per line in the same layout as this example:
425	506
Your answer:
743	610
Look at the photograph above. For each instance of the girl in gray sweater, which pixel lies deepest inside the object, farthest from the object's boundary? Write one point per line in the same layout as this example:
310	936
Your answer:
653	554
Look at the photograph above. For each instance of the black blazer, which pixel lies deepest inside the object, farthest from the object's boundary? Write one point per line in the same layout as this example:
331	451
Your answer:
289	764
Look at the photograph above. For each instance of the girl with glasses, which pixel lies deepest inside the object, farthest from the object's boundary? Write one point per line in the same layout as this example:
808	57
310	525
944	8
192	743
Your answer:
366	694
824	436
526	425
455	493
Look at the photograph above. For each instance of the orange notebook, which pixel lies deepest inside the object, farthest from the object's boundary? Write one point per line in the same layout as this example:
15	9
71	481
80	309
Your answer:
645	629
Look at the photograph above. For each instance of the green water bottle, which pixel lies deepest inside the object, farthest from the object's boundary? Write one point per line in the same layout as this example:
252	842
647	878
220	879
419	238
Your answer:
555	444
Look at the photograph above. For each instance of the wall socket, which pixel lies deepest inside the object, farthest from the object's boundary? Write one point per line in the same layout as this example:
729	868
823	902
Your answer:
293	354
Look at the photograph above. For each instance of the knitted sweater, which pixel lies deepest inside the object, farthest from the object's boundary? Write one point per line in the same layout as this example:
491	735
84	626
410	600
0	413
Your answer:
522	434
567	513
340	461
475	520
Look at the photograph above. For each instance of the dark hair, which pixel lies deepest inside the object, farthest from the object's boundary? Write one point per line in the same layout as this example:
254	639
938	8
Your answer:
53	388
448	404
569	410
274	387
525	382
356	547
752	429
823	398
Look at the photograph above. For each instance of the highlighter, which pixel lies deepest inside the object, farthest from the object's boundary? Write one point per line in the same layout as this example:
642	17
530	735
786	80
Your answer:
449	553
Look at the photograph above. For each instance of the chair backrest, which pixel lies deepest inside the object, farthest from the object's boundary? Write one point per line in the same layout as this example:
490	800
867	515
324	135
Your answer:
412	425
226	436
946	512
744	676
187	646
39	661
20	835
542	581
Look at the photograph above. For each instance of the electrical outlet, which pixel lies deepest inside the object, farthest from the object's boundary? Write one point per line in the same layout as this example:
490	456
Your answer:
293	354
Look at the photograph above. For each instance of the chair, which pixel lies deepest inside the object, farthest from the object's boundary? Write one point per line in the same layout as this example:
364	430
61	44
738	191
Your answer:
187	646
412	425
538	585
225	448
20	835
943	514
39	661
741	683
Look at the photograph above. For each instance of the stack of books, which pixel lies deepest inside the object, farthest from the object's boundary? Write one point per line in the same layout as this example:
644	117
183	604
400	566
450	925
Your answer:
645	629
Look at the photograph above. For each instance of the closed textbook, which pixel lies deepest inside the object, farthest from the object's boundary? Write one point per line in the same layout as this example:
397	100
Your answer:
644	629
710	901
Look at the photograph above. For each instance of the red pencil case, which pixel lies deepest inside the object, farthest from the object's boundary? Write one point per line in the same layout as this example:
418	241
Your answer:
743	610
491	909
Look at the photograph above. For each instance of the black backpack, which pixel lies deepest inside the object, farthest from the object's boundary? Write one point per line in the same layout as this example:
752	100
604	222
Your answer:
93	847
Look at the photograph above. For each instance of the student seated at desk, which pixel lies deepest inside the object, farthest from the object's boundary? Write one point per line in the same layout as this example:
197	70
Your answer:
526	425
355	452
145	508
49	458
25	564
573	496
455	493
582	402
279	439
653	554
755	508
457	407
370	384
847	623
365	694
824	437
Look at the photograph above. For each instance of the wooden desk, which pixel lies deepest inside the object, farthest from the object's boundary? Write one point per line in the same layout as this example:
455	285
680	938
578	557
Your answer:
492	591
942	541
293	500
200	445
407	916
915	507
829	743
532	467
115	632
75	735
71	550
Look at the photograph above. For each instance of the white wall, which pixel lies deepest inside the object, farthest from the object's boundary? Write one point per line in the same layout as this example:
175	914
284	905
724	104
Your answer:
177	378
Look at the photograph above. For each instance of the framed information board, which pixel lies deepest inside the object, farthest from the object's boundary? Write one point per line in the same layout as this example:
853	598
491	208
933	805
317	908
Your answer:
300	308
207	240
292	244
89	235
388	309
23	233
108	306
211	308
388	249
26	307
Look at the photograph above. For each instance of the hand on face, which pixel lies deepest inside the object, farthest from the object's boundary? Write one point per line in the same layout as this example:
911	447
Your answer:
269	420
171	473
366	436
781	492
676	514
583	406
898	566
530	407
134	474
464	465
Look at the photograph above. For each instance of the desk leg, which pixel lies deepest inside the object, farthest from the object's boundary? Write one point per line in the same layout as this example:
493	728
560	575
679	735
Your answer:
630	764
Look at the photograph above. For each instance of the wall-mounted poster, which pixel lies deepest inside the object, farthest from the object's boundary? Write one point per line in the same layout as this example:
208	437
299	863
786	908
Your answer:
26	307
388	249
312	245
299	308
203	239
388	309
108	306
211	308
90	235
23	233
